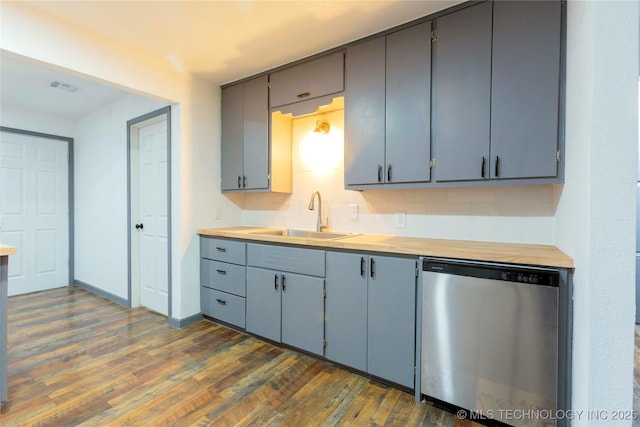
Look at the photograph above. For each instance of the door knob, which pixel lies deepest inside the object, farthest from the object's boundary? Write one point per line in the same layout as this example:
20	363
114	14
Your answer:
139	226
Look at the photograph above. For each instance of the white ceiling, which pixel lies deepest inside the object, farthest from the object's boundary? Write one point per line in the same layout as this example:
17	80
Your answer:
27	85
221	41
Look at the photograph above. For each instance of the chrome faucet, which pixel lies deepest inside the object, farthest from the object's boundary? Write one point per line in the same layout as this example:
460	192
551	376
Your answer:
319	226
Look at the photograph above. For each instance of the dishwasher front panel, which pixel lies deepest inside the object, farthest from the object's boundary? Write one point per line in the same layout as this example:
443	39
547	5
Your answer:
490	345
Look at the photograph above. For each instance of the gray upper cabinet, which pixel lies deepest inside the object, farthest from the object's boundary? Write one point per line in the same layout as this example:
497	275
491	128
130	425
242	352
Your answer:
387	109
364	113
496	92
525	89
312	79
245	136
462	94
408	93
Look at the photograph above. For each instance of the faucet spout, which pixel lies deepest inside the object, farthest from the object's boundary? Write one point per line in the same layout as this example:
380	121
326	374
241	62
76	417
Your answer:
319	225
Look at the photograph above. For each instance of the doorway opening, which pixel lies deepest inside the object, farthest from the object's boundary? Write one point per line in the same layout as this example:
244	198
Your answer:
36	215
149	219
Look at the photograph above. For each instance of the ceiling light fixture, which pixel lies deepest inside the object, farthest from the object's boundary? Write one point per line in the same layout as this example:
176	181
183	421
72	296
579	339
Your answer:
322	127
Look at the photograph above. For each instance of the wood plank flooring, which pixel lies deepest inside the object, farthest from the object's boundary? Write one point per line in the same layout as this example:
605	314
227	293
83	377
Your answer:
77	359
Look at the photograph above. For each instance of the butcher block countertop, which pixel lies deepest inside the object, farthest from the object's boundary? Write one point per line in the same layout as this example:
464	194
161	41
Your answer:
7	250
512	253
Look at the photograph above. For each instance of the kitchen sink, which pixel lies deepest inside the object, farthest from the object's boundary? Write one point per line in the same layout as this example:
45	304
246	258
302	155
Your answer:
304	234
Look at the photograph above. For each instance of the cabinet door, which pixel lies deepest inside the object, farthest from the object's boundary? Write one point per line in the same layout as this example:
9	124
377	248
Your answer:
346	309
256	133
462	94
232	137
322	76
391	319
303	312
364	113
263	303
524	90
408	104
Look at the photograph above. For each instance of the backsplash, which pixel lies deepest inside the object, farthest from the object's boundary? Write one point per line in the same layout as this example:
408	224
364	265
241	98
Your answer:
521	214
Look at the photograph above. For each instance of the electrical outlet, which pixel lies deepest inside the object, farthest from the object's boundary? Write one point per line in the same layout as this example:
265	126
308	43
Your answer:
400	220
218	213
353	211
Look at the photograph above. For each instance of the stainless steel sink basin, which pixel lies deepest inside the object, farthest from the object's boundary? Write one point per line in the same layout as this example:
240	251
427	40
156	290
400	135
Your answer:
304	234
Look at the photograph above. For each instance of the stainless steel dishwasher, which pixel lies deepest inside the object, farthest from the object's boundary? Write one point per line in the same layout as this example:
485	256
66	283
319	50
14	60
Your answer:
489	339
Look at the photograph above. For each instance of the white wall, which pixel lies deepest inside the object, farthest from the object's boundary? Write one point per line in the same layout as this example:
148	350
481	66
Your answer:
100	172
27	119
503	214
195	172
595	222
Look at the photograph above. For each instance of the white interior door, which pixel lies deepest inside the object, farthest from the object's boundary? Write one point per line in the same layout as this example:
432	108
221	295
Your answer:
153	217
34	210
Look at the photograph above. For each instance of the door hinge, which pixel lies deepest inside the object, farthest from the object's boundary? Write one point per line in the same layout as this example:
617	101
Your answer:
324	293
324	343
417	271
434	35
558	156
269	85
432	163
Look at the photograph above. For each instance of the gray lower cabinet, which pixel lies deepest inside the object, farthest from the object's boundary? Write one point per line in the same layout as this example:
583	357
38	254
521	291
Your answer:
346	309
285	295
223	280
387	109
264	303
370	314
391	308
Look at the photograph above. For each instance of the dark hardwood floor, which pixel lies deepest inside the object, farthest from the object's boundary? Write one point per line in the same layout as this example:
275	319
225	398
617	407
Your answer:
77	359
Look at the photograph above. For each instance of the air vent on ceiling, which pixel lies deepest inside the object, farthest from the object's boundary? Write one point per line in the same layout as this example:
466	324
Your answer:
64	86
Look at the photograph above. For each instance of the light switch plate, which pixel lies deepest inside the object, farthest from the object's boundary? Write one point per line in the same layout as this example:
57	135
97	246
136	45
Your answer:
218	213
353	211
400	220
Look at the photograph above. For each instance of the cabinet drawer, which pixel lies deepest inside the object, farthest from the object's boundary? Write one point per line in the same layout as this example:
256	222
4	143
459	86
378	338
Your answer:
286	258
223	306
223	250
322	76
223	276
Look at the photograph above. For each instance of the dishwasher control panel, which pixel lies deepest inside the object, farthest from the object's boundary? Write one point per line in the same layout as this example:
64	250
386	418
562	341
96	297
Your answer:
507	273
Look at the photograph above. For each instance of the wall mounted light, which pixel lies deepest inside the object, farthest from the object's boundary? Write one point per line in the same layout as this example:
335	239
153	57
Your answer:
320	150
322	127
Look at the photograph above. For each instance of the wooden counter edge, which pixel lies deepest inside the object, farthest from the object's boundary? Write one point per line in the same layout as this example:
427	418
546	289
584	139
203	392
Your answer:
6	250
511	253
